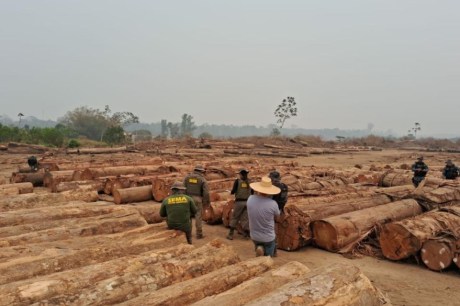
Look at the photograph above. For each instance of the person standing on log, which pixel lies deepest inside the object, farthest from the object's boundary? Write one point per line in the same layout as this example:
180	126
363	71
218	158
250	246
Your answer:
33	163
242	191
178	210
262	212
420	170
450	171
197	187
282	197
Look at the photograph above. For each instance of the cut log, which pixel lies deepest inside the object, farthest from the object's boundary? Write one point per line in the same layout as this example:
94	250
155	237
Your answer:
438	253
343	232
9	191
332	285
92	173
213	213
405	238
31	200
134	194
36	178
195	289
45	288
257	286
73	185
48	258
51	178
149	210
150	277
227	211
96	150
22	187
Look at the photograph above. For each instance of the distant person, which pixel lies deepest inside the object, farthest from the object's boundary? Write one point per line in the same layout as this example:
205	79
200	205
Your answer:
178	210
33	163
242	191
450	171
262	212
420	170
197	187
282	197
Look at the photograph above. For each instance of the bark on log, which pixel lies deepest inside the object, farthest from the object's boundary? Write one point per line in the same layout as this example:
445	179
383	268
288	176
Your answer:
51	178
227	211
195	289
134	194
22	187
73	185
9	191
343	232
340	285
47	258
116	222
31	200
213	213
71	282
257	286
148	278
438	253
149	210
405	238
96	150
92	173
36	178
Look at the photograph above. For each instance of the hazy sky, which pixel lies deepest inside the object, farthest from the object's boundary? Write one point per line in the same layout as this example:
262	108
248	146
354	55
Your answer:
347	63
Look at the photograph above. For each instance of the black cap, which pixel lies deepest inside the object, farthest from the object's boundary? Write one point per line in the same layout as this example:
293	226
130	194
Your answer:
243	171
274	175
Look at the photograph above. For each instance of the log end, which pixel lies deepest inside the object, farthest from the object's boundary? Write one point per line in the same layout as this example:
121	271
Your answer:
397	242
436	254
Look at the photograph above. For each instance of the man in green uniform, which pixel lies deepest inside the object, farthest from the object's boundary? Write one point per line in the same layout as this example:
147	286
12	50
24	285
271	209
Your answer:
196	186
242	191
178	209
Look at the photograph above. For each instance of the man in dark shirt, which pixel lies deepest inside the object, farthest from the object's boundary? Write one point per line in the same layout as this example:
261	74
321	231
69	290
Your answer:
242	191
420	170
450	171
196	186
282	197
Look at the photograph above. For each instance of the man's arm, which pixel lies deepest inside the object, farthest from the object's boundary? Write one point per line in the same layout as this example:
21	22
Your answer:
235	187
205	192
163	212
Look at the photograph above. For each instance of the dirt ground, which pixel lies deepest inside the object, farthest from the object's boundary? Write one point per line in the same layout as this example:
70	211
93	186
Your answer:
404	283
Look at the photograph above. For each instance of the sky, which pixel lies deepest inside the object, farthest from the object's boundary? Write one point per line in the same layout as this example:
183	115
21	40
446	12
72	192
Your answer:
346	63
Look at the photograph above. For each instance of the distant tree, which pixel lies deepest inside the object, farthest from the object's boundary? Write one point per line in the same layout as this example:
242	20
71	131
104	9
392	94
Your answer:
416	128
164	128
275	132
20	115
114	135
187	125
205	135
174	129
142	135
285	110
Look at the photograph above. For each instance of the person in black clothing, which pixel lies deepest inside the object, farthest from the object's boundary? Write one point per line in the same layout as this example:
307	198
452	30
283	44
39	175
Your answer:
450	171
420	170
33	163
242	191
282	197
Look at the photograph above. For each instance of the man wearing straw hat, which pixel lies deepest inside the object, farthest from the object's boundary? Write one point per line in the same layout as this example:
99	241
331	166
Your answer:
262	211
178	209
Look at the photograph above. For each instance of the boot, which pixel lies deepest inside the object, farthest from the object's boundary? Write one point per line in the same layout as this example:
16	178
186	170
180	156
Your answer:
199	236
230	234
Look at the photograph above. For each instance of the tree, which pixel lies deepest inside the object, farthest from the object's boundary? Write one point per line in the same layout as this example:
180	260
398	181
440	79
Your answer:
187	126
164	128
174	129
285	110
416	128
20	115
114	135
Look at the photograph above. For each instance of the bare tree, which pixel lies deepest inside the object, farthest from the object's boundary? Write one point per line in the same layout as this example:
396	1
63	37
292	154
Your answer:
416	128
285	110
20	115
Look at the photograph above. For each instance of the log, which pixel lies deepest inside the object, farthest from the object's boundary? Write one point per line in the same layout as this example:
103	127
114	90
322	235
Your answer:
9	191
227	211
402	239
92	173
215	282
96	150
343	232
133	194
31	200
149	210
22	187
213	213
116	222
39	289
51	178
331	285
150	278
47	258
257	286
36	178
73	185
438	253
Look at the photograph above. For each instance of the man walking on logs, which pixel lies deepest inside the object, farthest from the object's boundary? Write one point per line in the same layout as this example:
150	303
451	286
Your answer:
450	171
262	211
197	187
242	191
33	163
420	170
178	209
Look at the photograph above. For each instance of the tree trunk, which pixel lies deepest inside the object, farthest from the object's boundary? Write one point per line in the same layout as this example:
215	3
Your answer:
31	200
92	173
438	253
213	213
73	185
257	286
96	150
152	277
22	187
54	177
405	238
332	285
36	178
134	194
195	289
342	232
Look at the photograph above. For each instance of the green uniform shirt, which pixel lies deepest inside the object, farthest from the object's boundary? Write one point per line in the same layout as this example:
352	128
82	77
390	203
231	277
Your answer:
178	210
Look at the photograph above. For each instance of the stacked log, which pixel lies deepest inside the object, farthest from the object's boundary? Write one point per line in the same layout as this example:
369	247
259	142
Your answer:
215	282
343	232
31	200
21	187
438	253
257	286
36	178
212	214
92	173
405	238
293	228
96	150
227	211
331	285
73	185
51	178
133	194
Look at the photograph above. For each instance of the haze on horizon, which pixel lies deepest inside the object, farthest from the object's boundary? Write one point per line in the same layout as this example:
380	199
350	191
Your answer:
347	63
